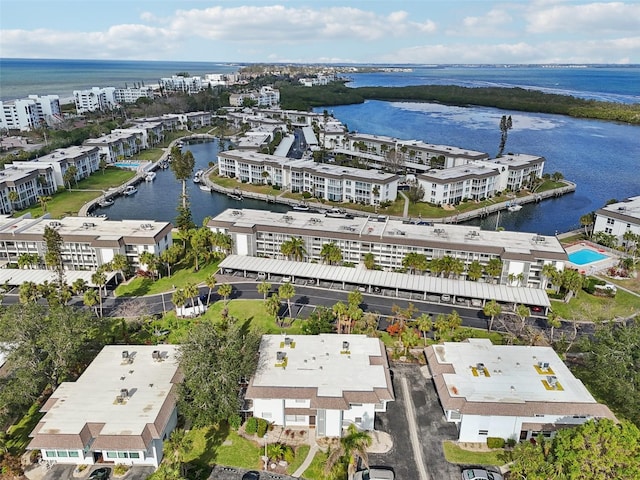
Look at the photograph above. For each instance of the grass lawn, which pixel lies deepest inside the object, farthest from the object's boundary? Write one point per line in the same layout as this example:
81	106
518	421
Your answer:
68	203
590	307
219	445
632	284
149	155
316	469
455	454
301	453
18	438
137	287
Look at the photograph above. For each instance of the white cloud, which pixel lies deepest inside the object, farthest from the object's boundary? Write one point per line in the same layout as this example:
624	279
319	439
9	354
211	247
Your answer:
590	19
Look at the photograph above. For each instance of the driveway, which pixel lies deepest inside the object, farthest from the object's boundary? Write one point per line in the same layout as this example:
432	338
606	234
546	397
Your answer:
431	428
139	472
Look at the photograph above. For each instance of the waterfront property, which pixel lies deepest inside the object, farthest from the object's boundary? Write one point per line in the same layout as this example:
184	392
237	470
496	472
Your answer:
619	218
21	183
28	113
87	244
326	181
523	255
508	391
117	144
326	382
120	410
85	159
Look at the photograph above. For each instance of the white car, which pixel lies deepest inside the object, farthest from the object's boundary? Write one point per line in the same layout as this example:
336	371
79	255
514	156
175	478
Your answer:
374	474
286	279
480	474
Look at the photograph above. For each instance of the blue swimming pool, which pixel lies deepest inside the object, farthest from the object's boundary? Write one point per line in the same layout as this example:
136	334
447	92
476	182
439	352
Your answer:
585	256
127	164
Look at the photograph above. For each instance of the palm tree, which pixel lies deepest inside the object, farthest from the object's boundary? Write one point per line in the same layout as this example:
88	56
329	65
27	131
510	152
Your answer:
586	221
264	288
424	324
121	263
79	286
440	325
99	279
340	311
474	271
331	253
553	320
454	320
191	291
210	281
494	268
224	291
287	291
28	292
522	311
492	309
409	338
352	445
549	272
150	261
178	298
272	305
369	260
43	199
90	299
182	168
14	197
294	248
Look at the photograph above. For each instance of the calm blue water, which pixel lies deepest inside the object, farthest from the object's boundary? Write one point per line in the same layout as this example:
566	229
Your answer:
159	200
602	158
585	256
22	77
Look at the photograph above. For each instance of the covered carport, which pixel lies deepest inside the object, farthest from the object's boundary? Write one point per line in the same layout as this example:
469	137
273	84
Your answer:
15	277
350	278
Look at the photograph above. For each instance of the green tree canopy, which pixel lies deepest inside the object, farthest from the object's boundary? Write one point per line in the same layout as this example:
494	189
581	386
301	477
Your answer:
213	359
598	449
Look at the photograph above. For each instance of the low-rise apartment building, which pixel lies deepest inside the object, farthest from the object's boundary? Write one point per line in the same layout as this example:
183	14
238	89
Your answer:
326	181
117	145
120	410
179	83
132	94
508	391
326	382
21	185
84	158
619	218
96	98
523	255
87	242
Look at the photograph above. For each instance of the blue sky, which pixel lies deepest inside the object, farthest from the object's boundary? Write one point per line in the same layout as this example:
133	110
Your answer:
347	31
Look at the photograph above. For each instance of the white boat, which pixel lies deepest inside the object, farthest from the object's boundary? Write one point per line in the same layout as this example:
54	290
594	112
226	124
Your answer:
130	190
514	208
107	202
205	188
301	207
337	213
234	196
150	177
197	178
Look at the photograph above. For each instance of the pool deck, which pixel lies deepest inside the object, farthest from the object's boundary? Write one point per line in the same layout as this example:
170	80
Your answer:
592	267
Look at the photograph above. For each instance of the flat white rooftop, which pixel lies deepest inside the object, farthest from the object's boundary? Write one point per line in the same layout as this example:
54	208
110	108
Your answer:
627	208
92	398
508	373
322	362
371	229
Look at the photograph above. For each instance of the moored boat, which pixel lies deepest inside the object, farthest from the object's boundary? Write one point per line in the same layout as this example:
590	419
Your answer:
150	176
106	202
130	190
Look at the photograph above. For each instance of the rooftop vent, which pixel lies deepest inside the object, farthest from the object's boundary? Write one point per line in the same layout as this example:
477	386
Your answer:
88	225
287	341
345	345
280	356
552	380
480	366
125	354
156	355
124	393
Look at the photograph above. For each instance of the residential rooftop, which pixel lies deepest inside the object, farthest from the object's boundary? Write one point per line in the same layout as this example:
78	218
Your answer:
629	208
331	363
381	228
95	398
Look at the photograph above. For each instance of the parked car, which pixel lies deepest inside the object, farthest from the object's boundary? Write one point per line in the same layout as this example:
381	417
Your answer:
536	309
375	474
286	279
262	276
311	281
445	298
362	288
480	474
100	474
251	475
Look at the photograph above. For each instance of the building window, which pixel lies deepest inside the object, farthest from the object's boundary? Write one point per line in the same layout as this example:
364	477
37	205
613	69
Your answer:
112	455
358	420
50	453
295	418
266	415
483	432
134	455
62	453
73	454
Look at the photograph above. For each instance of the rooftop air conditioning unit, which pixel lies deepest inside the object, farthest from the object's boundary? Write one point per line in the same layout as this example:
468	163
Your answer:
280	356
345	345
155	355
125	354
287	341
124	393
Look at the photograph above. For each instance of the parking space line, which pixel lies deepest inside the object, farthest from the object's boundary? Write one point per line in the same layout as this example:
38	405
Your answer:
413	431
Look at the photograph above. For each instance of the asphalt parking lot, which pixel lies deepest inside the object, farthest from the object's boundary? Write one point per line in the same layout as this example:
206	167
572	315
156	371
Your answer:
431	427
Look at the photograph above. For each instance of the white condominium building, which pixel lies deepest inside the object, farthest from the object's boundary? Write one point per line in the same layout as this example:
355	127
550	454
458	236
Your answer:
117	144
29	113
84	158
179	83
96	98
523	255
619	218
508	391
326	181
21	185
88	242
132	94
